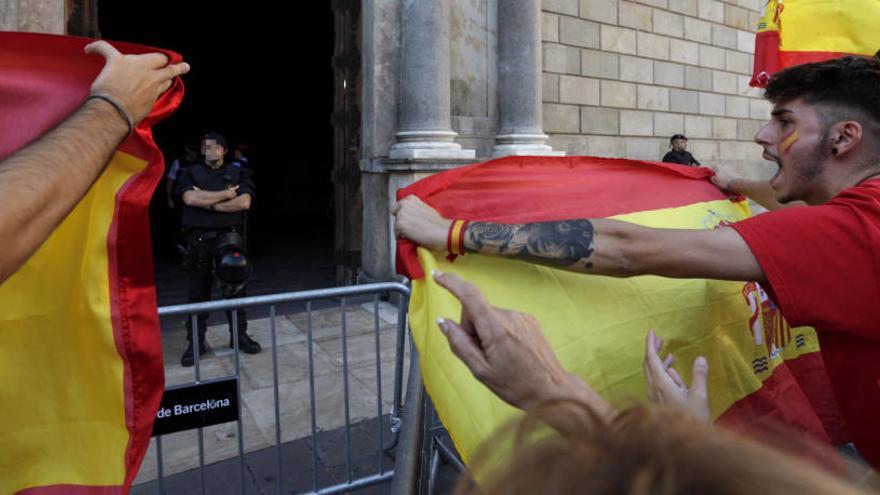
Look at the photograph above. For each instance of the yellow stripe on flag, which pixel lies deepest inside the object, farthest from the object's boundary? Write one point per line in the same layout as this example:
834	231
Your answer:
848	27
67	337
596	325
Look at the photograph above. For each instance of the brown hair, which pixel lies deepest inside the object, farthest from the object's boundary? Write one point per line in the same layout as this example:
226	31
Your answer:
852	81
846	88
641	451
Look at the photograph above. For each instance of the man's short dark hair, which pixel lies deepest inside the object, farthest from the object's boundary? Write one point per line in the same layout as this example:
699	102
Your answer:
216	136
841	89
846	88
677	136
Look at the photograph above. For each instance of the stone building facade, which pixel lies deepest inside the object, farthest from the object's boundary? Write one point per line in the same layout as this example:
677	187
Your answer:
445	83
615	78
621	77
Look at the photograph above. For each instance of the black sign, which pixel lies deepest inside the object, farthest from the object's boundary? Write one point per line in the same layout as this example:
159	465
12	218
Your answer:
194	406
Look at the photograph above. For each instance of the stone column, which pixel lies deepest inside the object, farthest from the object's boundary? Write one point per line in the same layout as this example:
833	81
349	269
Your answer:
36	16
520	129
425	129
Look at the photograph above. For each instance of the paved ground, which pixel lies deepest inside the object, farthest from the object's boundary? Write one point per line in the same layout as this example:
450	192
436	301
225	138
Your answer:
370	325
365	331
300	266
260	467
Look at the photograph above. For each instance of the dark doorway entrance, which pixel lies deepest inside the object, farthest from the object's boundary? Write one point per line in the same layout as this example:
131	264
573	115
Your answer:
347	139
262	75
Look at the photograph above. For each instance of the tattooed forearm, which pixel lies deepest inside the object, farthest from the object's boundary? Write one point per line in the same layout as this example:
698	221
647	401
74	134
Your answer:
496	237
560	244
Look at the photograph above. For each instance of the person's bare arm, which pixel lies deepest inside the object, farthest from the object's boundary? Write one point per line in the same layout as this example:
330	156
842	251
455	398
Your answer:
242	202
758	191
204	199
601	247
41	183
619	249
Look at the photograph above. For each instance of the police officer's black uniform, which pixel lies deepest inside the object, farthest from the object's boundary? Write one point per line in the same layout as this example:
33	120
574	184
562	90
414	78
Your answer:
204	230
681	157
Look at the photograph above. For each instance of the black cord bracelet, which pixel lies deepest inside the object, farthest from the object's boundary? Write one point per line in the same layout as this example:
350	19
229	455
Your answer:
125	116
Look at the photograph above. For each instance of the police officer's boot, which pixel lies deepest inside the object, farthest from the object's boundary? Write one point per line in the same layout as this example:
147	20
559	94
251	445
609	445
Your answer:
245	343
188	357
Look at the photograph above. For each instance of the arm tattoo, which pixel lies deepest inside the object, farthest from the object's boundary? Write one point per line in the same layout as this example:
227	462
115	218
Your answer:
559	244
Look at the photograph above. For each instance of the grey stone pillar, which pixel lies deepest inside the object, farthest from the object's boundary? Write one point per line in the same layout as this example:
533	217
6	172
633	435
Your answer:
520	129
43	16
425	129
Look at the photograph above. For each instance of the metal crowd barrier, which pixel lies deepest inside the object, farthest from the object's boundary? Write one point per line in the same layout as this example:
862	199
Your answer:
423	443
386	440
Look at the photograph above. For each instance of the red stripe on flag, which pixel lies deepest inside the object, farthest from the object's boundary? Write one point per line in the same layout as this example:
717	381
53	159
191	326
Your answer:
789	59
133	302
46	77
538	189
760	416
809	371
766	58
133	309
759	411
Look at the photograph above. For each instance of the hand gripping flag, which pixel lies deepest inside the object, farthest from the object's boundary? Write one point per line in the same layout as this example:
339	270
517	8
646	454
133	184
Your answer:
794	32
760	369
81	361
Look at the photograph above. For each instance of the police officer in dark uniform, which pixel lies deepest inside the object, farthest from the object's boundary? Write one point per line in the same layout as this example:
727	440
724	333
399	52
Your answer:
679	153
215	198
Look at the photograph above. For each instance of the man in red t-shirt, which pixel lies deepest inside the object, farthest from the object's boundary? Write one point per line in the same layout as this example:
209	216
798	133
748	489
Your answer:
817	262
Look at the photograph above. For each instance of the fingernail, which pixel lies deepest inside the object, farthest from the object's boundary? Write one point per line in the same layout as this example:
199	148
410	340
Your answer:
442	324
436	273
701	362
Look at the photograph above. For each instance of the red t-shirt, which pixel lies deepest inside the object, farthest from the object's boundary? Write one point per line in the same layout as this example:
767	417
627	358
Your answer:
823	268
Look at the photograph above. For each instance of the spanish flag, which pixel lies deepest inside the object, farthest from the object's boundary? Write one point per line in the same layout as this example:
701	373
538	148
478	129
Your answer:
80	360
760	369
794	32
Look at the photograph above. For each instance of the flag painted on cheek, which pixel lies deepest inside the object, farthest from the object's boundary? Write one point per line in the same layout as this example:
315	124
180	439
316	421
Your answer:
788	141
597	325
81	360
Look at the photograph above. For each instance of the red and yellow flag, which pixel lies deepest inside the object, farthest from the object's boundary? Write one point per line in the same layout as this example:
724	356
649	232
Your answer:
81	361
760	369
793	32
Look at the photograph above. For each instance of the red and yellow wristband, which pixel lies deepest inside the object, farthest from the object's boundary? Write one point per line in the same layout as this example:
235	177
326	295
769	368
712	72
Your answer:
455	238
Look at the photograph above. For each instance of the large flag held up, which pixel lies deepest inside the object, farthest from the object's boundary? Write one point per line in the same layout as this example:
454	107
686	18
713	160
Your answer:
760	368
81	361
794	32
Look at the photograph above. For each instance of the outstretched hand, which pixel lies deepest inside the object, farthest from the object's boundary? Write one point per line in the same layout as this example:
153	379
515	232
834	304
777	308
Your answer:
722	178
506	351
134	81
666	387
418	222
